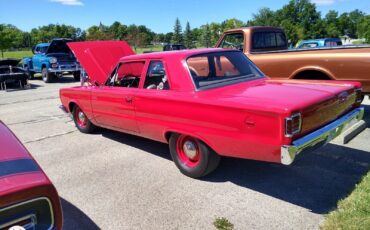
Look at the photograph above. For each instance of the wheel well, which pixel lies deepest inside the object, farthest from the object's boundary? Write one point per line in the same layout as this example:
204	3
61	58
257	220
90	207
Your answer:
312	75
168	135
71	106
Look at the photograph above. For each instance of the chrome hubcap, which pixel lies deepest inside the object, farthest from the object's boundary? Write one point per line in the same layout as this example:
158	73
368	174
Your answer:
190	149
81	116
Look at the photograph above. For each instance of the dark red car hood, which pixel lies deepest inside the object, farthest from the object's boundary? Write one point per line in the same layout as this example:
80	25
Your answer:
99	58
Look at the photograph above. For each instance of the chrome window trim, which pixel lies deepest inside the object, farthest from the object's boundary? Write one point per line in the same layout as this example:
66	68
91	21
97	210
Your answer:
30	201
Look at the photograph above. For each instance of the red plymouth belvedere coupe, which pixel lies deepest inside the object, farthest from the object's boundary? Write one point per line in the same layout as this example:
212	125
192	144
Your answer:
28	200
207	103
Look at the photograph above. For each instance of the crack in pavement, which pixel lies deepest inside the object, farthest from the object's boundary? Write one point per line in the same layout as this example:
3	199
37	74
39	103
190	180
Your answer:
50	118
23	101
49	136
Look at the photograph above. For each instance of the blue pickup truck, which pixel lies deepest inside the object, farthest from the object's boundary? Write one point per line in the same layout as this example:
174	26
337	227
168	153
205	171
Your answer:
52	60
321	42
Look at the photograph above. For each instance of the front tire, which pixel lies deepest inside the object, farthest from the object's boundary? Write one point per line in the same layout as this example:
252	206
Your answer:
47	77
193	157
81	121
29	73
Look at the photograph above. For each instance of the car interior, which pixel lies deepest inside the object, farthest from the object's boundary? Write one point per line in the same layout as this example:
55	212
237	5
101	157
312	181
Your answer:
156	77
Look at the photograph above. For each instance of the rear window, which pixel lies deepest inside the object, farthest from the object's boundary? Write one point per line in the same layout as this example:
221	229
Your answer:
269	40
219	69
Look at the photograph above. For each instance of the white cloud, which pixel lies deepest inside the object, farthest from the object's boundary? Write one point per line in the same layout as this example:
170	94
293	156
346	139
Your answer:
69	2
323	2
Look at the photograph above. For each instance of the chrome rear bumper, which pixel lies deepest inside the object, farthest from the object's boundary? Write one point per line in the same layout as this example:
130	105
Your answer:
321	136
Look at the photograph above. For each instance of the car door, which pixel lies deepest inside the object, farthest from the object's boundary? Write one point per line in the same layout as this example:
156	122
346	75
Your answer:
113	104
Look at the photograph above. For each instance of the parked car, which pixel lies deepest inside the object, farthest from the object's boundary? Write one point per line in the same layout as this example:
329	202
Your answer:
207	103
52	60
169	47
267	47
28	199
322	42
10	73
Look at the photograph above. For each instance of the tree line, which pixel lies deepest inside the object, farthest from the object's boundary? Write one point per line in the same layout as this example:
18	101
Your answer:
299	18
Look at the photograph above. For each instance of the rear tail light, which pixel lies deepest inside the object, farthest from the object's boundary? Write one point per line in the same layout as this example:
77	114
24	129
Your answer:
359	97
293	124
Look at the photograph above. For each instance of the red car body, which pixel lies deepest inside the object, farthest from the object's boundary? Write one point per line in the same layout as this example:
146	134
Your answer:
27	196
244	120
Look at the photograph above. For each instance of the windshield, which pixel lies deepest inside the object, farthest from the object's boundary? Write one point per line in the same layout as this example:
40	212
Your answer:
219	69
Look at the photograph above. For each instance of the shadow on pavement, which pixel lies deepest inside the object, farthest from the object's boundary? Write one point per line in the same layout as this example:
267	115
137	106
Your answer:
74	218
64	79
316	180
153	147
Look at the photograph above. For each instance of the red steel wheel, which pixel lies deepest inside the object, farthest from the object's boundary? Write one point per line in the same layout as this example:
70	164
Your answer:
81	118
188	151
193	157
82	121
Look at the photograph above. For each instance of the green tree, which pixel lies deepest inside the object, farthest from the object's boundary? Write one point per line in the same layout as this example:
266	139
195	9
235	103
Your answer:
10	37
264	17
364	28
118	30
188	36
177	32
206	39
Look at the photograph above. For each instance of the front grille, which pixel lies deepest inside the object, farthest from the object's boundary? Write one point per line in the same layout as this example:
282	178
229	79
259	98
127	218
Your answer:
32	214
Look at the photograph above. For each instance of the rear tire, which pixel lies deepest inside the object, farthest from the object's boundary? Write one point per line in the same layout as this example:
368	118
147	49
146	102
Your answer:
47	77
81	121
193	157
77	75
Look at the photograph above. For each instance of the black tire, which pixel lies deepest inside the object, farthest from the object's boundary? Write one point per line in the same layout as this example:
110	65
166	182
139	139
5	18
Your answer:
29	73
84	126
47	77
204	162
77	75
24	82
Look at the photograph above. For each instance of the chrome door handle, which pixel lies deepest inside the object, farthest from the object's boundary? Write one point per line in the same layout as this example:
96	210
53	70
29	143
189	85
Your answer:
128	99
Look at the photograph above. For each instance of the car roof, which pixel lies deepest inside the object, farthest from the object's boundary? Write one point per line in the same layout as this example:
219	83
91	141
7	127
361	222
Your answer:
43	44
320	39
182	54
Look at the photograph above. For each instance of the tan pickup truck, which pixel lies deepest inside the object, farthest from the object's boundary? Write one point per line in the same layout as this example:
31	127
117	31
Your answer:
267	47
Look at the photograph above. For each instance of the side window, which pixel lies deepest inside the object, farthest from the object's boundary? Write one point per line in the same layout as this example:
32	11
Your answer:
310	45
233	41
127	75
269	40
198	66
37	50
156	77
224	67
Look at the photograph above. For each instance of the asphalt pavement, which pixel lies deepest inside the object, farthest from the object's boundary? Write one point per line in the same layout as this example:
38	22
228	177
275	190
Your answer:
111	180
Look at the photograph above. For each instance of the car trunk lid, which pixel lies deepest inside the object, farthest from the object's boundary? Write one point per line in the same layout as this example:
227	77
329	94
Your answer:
319	102
99	58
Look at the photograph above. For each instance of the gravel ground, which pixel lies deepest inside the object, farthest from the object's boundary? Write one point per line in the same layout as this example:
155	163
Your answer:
111	180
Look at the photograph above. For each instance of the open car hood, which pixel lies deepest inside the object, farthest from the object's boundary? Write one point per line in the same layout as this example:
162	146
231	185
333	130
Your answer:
98	58
9	61
59	46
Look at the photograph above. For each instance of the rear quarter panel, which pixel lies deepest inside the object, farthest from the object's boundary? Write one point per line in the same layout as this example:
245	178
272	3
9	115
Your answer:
230	131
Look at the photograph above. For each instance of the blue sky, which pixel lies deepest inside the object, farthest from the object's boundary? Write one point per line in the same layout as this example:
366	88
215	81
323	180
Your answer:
158	15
